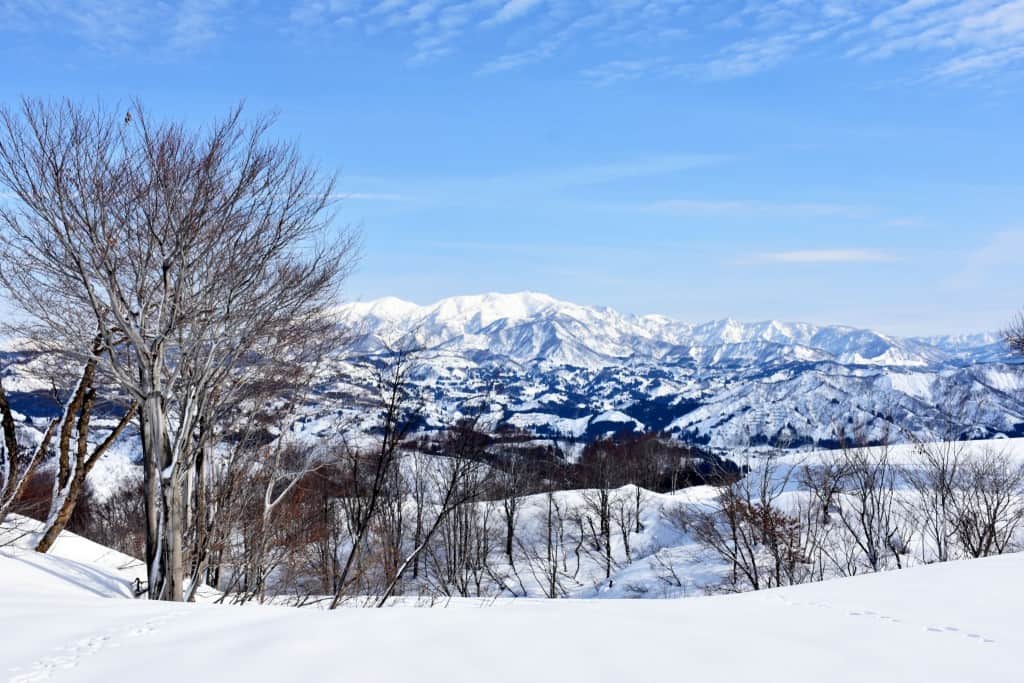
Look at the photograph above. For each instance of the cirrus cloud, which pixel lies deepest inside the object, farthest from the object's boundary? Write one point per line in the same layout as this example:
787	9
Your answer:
818	256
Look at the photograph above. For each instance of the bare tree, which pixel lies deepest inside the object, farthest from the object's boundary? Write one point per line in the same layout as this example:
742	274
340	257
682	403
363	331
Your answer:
868	509
1014	335
457	477
117	520
461	557
625	509
189	253
749	529
989	503
601	463
513	483
371	472
934	478
552	552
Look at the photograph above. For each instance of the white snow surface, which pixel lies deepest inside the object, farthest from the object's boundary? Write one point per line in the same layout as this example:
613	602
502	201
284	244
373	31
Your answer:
70	616
67	620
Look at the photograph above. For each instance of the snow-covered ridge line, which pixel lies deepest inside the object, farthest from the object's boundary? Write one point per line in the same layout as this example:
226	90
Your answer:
517	325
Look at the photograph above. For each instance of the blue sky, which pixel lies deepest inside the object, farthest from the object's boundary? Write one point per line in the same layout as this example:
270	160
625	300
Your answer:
854	162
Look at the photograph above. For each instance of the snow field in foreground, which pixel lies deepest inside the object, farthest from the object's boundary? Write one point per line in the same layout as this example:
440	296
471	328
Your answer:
958	621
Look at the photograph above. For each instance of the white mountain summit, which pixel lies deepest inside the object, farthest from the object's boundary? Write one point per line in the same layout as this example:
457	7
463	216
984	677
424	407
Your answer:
604	336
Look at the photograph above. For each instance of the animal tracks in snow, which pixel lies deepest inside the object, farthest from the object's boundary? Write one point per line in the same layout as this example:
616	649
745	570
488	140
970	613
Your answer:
71	655
871	614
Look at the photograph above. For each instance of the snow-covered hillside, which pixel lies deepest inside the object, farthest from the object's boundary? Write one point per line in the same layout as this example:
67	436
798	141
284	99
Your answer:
958	621
558	367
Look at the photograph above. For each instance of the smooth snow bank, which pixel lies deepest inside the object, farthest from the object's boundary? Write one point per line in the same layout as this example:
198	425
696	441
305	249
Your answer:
74	563
952	622
72	554
58	578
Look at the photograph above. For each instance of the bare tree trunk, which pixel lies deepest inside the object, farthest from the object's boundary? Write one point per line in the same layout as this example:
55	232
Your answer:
174	536
552	561
639	502
201	544
151	421
74	468
510	534
81	472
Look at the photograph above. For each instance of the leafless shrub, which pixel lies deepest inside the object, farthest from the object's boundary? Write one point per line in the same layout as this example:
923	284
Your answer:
1014	334
988	503
934	481
867	508
748	529
116	521
663	565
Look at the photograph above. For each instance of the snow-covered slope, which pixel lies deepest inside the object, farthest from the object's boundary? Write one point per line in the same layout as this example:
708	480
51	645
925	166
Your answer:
558	367
957	621
75	564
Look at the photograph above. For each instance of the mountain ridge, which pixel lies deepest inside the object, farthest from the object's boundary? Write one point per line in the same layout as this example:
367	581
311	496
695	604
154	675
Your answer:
576	373
461	316
587	371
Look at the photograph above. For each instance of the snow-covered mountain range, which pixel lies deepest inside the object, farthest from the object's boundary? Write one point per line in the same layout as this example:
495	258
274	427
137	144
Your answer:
559	369
555	367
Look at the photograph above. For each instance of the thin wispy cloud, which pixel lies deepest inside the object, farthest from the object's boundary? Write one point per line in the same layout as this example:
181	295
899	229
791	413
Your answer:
518	60
709	207
197	23
606	42
619	70
703	41
591	174
967	35
819	256
513	9
372	197
510	188
120	26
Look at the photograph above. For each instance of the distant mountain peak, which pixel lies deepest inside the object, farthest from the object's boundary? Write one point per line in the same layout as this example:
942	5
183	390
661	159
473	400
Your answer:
535	327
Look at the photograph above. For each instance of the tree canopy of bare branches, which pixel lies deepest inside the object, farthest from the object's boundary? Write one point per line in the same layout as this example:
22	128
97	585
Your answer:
1014	335
188	254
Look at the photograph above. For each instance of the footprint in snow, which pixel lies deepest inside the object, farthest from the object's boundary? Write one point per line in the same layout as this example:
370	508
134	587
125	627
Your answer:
954	630
43	669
